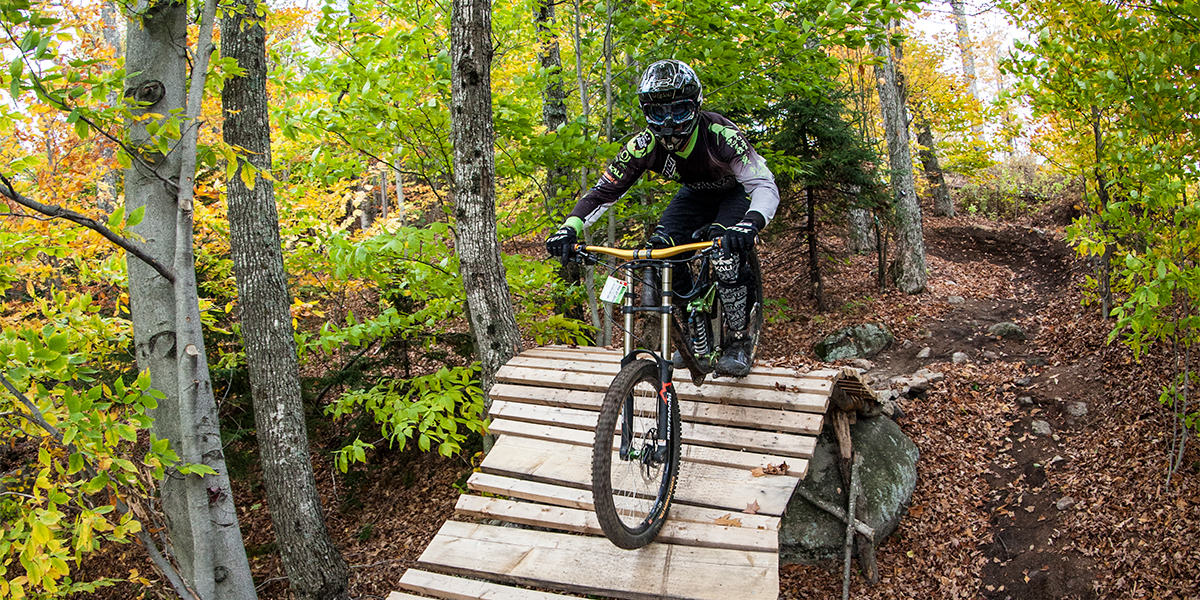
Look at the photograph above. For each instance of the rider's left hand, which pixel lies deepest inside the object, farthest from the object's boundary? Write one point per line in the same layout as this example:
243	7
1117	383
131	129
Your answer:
740	237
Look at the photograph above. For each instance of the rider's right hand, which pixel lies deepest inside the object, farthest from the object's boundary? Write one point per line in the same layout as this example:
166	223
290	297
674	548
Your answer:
562	242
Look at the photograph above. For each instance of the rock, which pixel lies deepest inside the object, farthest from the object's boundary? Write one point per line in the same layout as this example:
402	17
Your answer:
862	341
1036	361
1041	427
1025	401
988	354
1064	503
1077	409
931	376
1024	381
1008	331
862	363
925	352
959	357
955	299
810	535
892	410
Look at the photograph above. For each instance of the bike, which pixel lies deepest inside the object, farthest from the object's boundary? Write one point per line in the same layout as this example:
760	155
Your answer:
632	487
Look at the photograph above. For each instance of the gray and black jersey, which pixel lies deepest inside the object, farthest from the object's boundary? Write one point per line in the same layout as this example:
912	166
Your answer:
717	157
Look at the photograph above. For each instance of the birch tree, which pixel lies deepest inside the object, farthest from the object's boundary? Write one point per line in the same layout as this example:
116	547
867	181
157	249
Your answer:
166	316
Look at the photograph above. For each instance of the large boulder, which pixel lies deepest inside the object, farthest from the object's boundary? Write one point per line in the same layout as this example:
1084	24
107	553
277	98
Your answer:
860	341
1007	330
888	473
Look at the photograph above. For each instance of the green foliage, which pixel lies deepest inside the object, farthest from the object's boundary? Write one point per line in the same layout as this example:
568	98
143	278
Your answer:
89	429
1013	188
438	410
1114	85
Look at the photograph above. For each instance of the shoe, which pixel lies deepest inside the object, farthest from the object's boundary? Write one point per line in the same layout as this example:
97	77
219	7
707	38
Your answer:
735	360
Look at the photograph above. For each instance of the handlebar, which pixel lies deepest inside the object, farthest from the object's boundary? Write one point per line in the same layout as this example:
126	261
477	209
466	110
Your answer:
647	253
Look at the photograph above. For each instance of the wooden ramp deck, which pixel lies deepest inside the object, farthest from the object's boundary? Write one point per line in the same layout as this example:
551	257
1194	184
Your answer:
721	539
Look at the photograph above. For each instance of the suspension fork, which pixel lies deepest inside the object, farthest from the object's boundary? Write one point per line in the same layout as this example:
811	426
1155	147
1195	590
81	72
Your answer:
666	395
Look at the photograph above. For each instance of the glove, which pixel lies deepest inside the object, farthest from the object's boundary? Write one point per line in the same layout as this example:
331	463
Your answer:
740	237
562	242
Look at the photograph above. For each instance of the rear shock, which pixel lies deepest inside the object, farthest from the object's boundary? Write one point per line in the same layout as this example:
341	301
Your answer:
701	332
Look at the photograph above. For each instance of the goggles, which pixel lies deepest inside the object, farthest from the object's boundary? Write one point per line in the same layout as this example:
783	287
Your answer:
680	111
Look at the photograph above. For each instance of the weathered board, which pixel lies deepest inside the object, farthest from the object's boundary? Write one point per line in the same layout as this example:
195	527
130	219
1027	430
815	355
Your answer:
720	539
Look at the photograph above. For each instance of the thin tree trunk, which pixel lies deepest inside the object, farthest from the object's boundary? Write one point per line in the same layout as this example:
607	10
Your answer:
909	266
814	264
611	229
315	568
106	198
943	206
967	53
168	340
554	105
1104	272
489	305
602	325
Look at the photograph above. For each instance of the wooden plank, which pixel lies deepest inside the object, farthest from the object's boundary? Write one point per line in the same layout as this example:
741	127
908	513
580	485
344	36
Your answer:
768	419
749	459
403	596
700	484
557	495
815	398
457	588
605	355
592	565
695	434
753	380
704	535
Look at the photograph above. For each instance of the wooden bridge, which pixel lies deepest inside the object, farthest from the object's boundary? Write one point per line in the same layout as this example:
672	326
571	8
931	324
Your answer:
721	539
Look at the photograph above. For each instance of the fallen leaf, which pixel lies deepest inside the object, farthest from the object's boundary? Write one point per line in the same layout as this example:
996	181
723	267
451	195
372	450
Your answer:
751	508
728	521
757	472
779	469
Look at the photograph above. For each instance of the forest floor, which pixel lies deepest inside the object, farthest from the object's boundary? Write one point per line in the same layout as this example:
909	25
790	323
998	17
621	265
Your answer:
1000	512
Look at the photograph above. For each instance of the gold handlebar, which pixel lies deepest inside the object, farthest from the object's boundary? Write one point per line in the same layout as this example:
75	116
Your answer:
647	252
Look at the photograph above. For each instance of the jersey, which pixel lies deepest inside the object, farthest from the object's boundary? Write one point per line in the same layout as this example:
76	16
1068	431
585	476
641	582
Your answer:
717	157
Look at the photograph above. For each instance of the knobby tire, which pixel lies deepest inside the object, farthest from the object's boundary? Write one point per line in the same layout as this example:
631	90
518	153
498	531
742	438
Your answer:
632	499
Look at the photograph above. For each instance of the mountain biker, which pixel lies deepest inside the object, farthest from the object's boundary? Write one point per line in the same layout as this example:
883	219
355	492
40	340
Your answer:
725	184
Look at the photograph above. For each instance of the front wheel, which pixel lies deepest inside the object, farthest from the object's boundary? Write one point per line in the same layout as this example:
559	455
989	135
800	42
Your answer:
634	466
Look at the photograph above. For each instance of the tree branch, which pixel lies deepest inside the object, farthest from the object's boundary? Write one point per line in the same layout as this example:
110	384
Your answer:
8	191
165	567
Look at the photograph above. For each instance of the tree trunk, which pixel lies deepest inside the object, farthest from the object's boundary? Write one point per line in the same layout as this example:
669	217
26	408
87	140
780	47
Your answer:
908	270
603	325
554	96
814	263
968	56
943	206
1104	268
314	567
489	305
106	197
202	522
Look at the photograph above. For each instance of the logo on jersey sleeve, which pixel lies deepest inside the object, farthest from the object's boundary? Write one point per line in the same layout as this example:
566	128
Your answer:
732	138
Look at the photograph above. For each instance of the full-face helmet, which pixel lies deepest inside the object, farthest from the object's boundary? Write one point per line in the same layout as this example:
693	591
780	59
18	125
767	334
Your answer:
670	95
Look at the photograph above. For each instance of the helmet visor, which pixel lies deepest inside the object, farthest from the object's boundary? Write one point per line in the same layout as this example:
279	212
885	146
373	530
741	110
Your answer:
678	112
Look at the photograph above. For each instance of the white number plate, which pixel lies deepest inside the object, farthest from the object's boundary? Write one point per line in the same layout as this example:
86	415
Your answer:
614	290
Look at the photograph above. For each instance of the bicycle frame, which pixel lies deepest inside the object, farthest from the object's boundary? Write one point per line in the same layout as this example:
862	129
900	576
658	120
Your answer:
657	258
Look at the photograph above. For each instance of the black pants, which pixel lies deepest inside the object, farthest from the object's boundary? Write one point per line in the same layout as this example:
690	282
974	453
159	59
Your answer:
691	211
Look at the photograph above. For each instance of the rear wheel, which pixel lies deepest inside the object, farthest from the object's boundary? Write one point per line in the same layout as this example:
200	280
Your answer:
634	466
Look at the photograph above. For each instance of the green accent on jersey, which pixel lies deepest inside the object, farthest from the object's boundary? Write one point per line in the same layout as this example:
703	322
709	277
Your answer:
636	152
576	223
691	145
